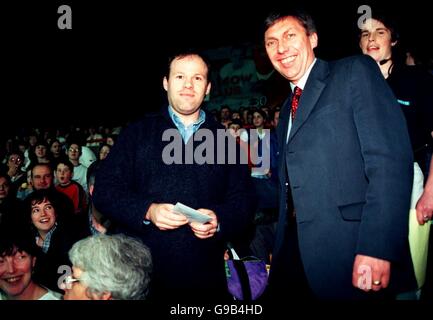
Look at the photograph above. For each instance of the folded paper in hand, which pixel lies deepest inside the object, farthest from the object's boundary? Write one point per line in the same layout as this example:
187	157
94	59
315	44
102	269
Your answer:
191	214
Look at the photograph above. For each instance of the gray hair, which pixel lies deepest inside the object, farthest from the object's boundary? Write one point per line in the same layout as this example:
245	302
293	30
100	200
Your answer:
113	263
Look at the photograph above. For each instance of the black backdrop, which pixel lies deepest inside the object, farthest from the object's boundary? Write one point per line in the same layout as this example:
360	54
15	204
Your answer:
113	56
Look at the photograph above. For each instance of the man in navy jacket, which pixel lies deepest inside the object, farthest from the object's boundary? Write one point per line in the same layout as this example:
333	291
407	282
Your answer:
345	174
154	164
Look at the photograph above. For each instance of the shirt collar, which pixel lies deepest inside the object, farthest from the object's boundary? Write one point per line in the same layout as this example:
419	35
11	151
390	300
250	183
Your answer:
303	81
47	242
186	131
176	120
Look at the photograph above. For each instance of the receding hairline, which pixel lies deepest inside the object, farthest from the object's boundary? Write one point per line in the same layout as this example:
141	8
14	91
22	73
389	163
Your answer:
304	19
189	55
46	165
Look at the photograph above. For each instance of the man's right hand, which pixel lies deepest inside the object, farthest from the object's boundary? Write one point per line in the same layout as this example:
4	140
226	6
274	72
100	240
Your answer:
424	207
163	216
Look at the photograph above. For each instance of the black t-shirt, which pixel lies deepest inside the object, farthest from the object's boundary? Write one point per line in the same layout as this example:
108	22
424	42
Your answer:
413	88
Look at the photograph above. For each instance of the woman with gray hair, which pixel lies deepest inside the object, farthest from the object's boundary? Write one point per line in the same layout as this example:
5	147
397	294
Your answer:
108	267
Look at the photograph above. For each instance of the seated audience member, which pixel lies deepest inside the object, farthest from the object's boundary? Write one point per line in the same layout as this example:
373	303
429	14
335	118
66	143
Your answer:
75	192
80	170
26	187
29	152
15	161
9	205
42	177
225	116
41	153
18	256
104	150
111	140
98	223
53	233
95	139
57	151
234	126
106	267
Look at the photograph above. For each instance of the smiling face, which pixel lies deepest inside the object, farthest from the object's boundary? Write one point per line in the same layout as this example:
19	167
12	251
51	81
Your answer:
376	40
43	216
186	86
15	273
4	188
290	48
42	178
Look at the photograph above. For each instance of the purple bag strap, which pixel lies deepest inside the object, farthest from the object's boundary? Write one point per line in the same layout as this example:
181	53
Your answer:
242	273
243	279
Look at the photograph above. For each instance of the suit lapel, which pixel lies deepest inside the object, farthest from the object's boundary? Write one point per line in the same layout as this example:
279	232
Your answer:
313	89
283	124
282	128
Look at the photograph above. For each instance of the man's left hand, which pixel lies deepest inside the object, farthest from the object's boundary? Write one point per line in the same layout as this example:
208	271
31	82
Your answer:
375	270
206	230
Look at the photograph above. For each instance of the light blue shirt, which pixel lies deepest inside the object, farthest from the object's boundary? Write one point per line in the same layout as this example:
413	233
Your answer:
186	132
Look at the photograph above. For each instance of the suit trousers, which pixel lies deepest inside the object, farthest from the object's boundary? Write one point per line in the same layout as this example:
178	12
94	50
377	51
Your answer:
288	278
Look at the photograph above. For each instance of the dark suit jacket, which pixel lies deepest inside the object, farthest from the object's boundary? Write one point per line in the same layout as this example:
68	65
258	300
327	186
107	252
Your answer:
349	165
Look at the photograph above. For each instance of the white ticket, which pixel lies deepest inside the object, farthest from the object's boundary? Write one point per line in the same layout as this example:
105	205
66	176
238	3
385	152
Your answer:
191	214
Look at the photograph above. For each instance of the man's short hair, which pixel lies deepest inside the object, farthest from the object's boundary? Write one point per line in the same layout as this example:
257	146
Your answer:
184	53
47	165
301	15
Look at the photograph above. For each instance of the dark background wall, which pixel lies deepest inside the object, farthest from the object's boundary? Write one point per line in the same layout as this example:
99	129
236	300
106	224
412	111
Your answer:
114	54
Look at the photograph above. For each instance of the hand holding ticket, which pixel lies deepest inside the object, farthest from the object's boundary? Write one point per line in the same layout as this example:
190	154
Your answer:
191	214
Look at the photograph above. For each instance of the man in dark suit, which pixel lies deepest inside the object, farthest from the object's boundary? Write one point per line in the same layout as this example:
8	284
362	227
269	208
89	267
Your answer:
345	173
